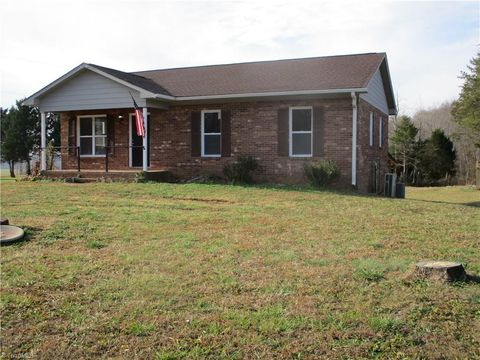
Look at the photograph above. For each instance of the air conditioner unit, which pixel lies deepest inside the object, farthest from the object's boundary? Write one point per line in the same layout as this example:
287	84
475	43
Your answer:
390	184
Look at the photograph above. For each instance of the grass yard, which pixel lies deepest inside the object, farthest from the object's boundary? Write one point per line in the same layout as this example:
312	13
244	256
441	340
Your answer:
161	271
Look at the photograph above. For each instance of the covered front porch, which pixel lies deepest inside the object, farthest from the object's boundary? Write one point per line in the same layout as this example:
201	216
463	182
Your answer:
97	120
104	140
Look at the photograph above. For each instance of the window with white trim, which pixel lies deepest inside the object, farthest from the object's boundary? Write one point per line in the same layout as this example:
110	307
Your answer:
300	131
211	133
371	129
92	135
380	132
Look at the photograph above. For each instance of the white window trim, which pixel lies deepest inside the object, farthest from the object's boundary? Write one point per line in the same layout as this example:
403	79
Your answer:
370	141
202	136
290	132
90	136
380	132
130	119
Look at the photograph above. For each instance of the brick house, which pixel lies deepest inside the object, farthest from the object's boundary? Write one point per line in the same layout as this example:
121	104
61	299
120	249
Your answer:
197	119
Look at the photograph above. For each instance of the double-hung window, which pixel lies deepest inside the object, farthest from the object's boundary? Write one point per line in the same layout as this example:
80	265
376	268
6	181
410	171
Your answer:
370	141
300	131
211	133
92	135
380	132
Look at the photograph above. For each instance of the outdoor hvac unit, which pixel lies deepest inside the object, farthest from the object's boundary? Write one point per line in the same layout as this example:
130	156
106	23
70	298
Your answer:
390	184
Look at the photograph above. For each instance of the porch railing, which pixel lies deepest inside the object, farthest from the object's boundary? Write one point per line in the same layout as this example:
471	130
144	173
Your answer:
78	157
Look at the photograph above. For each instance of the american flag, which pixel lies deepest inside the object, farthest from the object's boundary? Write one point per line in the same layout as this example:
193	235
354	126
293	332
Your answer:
138	119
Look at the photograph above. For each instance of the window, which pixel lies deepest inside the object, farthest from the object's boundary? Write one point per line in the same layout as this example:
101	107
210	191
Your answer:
211	133
92	135
371	129
300	129
380	132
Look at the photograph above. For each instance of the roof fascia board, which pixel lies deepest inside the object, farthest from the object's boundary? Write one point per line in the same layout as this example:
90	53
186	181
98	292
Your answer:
390	85
263	94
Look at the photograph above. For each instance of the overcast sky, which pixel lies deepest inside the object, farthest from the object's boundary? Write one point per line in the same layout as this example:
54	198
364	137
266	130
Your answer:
427	43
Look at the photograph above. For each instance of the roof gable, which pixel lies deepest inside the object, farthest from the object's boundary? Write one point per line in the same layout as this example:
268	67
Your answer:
376	93
144	92
88	90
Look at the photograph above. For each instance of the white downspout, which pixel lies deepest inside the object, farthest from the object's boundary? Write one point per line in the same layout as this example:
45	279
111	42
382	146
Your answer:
354	139
43	141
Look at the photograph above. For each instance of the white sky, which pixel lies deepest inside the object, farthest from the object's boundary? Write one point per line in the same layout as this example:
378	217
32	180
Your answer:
427	43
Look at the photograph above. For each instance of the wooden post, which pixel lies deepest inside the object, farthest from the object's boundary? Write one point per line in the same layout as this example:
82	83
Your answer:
106	159
78	159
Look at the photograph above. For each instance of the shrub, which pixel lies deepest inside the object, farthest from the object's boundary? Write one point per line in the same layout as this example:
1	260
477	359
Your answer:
241	170
322	173
140	177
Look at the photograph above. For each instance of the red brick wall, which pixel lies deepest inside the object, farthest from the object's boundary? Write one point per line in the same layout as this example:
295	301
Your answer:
118	160
253	132
368	155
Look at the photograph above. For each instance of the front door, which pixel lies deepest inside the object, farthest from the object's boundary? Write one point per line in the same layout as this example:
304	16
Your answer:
136	143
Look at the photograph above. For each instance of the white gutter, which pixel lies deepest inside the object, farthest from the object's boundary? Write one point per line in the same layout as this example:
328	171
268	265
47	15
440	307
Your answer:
354	139
262	94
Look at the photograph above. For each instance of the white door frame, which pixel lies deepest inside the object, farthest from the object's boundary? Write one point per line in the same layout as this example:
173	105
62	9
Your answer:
130	116
130	139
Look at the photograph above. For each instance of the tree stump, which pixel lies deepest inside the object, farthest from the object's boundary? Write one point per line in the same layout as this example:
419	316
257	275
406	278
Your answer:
446	271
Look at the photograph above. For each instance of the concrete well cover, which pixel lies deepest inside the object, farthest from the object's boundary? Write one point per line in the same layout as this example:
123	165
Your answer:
9	233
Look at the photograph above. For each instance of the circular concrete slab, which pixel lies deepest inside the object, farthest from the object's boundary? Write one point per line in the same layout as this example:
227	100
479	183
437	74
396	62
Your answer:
10	234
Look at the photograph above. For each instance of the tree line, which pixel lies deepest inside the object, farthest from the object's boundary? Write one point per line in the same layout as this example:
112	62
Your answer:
20	134
441	146
419	161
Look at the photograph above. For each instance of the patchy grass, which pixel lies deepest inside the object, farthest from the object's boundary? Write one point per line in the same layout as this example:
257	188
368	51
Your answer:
208	271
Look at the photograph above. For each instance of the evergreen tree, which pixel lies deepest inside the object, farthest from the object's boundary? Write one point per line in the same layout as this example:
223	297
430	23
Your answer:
437	158
466	110
7	150
403	145
20	134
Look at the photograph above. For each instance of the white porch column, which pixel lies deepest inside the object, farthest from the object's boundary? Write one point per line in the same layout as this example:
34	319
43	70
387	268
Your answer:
145	139
354	139
43	141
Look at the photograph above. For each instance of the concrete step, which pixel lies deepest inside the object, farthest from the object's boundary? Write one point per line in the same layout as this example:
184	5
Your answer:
92	176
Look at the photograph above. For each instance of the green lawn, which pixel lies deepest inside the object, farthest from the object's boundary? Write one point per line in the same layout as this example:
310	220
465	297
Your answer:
209	271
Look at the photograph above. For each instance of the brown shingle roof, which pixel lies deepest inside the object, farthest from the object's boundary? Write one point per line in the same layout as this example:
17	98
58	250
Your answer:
140	81
319	73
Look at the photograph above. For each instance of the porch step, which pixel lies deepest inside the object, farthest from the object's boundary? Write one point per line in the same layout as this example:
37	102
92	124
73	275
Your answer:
91	176
83	180
160	176
94	176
